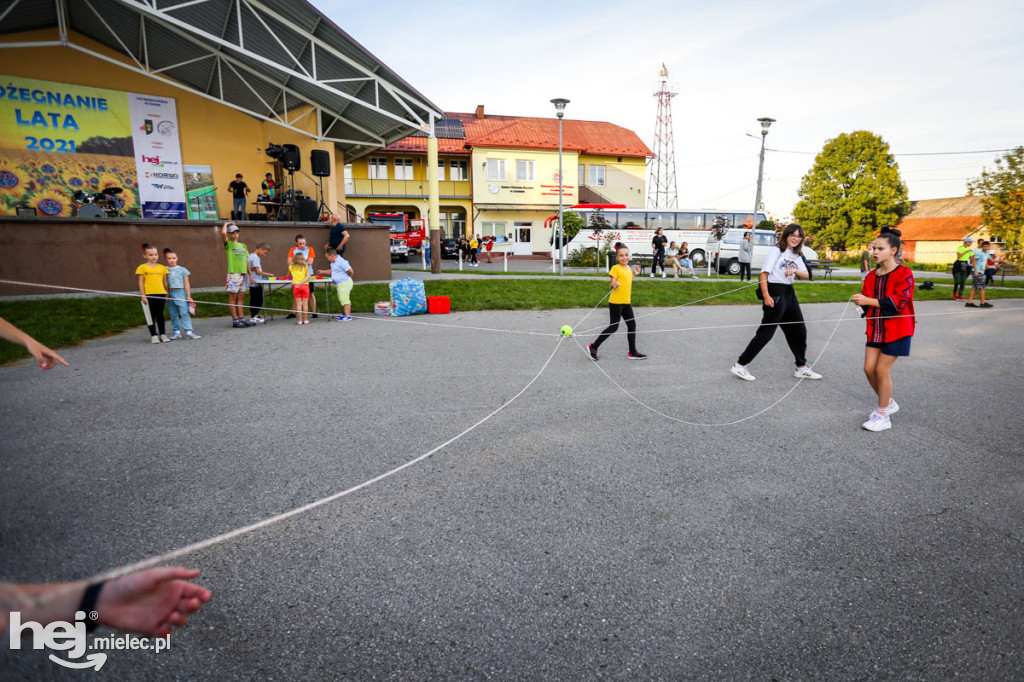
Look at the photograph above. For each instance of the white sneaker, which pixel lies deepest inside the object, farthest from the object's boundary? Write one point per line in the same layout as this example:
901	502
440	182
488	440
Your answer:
652	274
175	336
694	277
877	422
893	407
257	320
806	373
742	373
163	338
192	335
663	275
155	339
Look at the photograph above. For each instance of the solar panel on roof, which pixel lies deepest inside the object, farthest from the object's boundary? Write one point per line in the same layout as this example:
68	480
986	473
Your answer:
446	128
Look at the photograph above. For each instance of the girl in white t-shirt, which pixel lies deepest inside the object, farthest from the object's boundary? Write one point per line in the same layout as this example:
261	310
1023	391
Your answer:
781	266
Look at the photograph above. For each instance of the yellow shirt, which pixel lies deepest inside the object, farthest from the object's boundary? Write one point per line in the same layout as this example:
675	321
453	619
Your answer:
473	243
298	273
154	282
964	253
623	292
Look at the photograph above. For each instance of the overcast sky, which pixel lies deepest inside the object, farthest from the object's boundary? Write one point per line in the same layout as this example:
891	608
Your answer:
938	76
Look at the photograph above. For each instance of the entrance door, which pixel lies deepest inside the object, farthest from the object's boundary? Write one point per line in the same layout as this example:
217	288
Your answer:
523	244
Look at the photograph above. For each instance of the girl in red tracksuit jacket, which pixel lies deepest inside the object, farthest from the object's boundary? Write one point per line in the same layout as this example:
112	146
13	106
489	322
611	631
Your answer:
887	298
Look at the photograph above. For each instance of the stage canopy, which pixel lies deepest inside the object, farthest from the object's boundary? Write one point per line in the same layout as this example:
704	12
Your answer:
278	60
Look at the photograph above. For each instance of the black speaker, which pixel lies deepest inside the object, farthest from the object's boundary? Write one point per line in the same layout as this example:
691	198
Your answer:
290	157
320	162
307	211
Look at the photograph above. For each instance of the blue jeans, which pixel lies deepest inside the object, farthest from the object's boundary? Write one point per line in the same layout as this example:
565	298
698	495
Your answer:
178	305
238	209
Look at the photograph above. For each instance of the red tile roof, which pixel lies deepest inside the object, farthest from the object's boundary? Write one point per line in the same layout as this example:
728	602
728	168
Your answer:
942	220
948	229
585	137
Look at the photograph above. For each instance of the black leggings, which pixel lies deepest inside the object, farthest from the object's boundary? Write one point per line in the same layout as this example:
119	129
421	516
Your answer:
156	311
744	267
617	311
961	273
786	309
255	300
659	259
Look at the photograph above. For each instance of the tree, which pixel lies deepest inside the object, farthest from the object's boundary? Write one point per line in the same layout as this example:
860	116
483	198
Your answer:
853	189
1003	200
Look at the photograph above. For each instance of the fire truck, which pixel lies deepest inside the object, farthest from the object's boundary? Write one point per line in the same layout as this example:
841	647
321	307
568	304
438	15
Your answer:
412	231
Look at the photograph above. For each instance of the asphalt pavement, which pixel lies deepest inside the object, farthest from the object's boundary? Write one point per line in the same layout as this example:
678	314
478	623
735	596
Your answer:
577	534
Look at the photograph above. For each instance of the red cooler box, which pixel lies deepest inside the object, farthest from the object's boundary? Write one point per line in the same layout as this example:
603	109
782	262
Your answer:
438	305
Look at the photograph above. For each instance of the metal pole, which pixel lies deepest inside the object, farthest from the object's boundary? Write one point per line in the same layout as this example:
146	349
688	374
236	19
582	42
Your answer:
760	175
561	184
765	124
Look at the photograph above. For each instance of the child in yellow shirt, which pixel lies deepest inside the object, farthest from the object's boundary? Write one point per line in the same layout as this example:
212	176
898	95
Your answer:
153	287
619	306
300	287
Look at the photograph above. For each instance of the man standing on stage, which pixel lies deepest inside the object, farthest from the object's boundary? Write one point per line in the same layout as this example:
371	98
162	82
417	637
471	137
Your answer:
238	190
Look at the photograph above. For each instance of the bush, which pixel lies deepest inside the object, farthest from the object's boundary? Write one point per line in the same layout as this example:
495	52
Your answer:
582	257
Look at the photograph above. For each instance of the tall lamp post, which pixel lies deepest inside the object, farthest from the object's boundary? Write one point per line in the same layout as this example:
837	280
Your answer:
560	112
766	123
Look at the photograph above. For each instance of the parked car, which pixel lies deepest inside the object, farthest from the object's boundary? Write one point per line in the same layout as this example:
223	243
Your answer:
399	250
449	248
764	240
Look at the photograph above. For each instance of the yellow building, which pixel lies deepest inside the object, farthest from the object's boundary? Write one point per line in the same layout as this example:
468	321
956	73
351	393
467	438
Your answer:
499	175
237	89
934	228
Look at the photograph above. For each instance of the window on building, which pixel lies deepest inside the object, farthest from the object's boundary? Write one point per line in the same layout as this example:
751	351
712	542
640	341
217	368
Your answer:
495	169
377	169
403	169
492	229
524	171
597	176
440	171
458	171
458	222
350	185
581	181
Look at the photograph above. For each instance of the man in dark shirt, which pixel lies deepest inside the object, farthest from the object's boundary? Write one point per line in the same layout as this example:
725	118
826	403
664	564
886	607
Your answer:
238	190
339	235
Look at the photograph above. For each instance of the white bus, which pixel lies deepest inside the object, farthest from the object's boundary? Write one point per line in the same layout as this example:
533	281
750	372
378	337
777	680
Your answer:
635	228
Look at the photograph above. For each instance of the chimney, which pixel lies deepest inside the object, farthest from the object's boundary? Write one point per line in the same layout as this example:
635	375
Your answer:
480	111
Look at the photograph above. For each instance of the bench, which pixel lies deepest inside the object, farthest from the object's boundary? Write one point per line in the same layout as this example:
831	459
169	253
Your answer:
827	266
1005	269
643	261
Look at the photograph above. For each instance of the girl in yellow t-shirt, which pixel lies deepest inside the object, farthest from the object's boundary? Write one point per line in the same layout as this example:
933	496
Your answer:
619	306
153	287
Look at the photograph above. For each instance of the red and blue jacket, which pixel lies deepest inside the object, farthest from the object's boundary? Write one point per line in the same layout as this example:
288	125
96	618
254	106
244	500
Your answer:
894	317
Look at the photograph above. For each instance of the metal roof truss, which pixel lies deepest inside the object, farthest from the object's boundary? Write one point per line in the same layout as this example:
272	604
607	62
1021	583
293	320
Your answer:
263	61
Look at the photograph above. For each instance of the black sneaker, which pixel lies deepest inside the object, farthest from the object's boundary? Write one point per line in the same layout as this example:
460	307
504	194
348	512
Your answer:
315	316
636	356
238	324
970	305
987	305
291	316
593	352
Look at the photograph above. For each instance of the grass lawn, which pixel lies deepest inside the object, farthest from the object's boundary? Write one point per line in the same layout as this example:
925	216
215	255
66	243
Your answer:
60	323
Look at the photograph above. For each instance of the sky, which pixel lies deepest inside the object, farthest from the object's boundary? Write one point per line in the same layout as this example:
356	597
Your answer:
928	77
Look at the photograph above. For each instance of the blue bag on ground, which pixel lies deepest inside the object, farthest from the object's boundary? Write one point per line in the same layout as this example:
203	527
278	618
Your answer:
408	297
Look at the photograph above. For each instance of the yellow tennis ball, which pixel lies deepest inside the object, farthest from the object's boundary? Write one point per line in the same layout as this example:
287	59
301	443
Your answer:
566	330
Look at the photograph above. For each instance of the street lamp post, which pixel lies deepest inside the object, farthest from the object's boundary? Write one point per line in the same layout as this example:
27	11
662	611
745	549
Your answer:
560	112
765	124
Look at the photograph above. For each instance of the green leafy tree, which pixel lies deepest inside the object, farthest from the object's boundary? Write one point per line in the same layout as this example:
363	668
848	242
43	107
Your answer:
1003	201
572	223
853	189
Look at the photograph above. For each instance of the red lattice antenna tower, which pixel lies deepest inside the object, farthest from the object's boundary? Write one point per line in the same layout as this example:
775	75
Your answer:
661	183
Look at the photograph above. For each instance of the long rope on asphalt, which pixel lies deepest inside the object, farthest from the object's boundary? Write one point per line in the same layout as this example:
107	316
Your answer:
244	530
731	423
